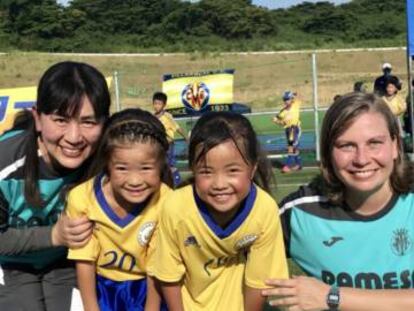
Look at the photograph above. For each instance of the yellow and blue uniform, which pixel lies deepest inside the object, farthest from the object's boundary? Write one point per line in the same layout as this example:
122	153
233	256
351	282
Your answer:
171	127
120	247
398	106
215	263
289	117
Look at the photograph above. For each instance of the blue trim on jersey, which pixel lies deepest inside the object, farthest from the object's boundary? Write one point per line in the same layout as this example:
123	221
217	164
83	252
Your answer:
243	212
103	203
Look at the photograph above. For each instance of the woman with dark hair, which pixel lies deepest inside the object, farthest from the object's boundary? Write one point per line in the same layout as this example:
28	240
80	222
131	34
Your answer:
43	155
351	230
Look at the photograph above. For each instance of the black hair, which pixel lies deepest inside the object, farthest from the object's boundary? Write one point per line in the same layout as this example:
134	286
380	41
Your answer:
359	86
62	90
214	128
132	126
393	80
160	96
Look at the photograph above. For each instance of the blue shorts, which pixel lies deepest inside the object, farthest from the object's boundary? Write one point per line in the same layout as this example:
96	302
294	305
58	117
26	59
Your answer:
171	155
292	135
122	296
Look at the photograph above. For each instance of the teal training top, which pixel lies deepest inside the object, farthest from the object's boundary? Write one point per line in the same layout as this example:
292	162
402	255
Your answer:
24	229
341	247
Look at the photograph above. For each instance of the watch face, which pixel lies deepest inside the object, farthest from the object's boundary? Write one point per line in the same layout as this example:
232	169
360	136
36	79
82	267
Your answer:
333	298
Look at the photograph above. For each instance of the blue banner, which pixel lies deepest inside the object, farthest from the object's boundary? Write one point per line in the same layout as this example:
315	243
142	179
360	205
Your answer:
410	27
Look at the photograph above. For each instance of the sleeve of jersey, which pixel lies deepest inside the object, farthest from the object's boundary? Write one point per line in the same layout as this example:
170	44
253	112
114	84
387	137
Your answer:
152	246
172	123
166	264
285	214
402	107
14	242
77	207
4	212
267	257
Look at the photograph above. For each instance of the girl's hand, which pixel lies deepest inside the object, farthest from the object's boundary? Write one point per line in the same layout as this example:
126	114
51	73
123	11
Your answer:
72	233
297	294
276	120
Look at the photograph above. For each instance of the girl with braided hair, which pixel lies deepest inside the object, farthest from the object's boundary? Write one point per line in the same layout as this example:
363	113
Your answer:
129	183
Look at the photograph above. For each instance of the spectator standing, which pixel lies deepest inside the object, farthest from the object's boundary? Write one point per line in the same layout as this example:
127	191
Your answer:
394	100
380	82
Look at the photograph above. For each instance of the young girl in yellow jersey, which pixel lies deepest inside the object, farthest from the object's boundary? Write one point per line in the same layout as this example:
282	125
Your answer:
394	100
123	199
289	118
219	238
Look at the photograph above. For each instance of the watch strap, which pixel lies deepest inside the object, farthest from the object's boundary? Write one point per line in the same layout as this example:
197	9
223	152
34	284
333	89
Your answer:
333	298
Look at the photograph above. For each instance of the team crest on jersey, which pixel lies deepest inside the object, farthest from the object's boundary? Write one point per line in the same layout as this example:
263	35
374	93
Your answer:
145	233
245	242
401	242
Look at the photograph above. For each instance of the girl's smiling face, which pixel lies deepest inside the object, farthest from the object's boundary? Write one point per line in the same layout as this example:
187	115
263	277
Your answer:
223	180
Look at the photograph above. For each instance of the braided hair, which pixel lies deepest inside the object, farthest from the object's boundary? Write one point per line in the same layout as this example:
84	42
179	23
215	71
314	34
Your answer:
127	127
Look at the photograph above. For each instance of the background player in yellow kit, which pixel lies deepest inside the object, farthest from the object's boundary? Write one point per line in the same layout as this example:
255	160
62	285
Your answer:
394	100
123	201
159	101
289	118
219	238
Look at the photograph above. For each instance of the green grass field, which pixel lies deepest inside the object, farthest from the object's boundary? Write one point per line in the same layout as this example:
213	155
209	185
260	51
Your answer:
262	122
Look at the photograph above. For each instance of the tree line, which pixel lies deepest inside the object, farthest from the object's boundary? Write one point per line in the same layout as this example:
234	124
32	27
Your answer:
207	25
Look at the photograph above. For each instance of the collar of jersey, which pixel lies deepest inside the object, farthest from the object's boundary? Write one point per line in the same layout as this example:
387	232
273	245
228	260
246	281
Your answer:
244	211
103	203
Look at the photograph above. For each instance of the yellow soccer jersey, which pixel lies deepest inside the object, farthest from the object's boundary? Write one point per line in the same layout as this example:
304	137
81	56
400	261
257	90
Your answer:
396	103
119	246
170	125
214	263
290	116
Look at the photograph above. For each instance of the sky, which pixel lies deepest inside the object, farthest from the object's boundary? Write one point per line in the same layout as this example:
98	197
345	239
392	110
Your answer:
271	4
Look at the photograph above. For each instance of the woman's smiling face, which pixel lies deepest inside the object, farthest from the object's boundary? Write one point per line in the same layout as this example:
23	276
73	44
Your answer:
363	155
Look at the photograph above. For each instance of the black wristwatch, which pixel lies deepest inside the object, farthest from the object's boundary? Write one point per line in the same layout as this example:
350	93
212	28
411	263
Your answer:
333	298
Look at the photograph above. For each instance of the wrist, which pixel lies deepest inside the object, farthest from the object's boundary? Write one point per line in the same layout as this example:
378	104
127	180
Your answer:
54	236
